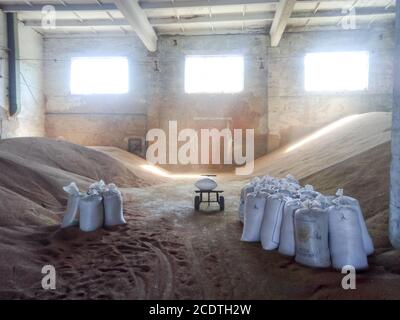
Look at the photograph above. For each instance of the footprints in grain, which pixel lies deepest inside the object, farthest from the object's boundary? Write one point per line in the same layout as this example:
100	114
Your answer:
144	259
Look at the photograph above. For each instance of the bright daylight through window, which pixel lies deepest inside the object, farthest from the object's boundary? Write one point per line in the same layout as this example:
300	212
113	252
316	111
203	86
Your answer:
337	71
99	75
214	74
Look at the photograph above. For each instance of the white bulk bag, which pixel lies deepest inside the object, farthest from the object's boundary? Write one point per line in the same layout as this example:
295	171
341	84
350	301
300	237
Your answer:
241	211
97	188
243	194
206	184
268	182
271	224
255	181
344	200
113	207
253	216
291	179
269	189
71	216
287	242
245	190
325	201
288	190
345	238
308	193
91	213
311	234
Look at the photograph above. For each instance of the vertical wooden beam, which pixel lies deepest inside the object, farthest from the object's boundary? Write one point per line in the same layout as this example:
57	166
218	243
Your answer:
137	18
282	15
394	217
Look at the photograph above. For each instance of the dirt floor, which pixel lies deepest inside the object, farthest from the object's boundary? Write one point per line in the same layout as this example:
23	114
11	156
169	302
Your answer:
169	251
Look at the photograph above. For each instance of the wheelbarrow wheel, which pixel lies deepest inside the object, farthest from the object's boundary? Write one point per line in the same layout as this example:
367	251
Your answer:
222	203
197	203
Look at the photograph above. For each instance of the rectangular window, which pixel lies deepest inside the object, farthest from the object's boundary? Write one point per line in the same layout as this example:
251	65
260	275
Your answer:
214	74
99	75
337	71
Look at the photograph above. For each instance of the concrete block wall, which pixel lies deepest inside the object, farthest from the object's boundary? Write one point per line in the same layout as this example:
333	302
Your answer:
245	110
90	120
157	92
274	101
294	112
30	120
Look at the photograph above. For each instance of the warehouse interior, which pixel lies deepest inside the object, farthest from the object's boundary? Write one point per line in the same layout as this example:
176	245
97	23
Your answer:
82	83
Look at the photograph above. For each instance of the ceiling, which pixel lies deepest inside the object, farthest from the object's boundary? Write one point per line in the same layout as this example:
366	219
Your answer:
190	17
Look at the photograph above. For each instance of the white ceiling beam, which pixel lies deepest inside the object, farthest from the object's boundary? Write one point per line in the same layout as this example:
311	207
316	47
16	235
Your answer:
334	27
366	11
185	4
253	16
138	20
158	21
58	7
200	3
153	5
83	23
143	5
282	15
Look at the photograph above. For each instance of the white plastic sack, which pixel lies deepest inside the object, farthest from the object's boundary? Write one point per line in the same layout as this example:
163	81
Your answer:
253	216
367	240
245	190
325	201
287	242
269	182
113	207
71	216
345	238
206	184
91	213
291	179
311	234
271	224
287	192
241	211
255	180
308	193
269	189
97	188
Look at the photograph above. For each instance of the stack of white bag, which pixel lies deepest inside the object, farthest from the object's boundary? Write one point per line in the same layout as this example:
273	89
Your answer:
319	231
101	205
261	205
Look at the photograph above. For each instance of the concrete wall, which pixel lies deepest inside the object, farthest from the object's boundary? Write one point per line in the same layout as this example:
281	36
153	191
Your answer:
274	101
157	92
394	214
108	120
30	121
245	110
294	112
